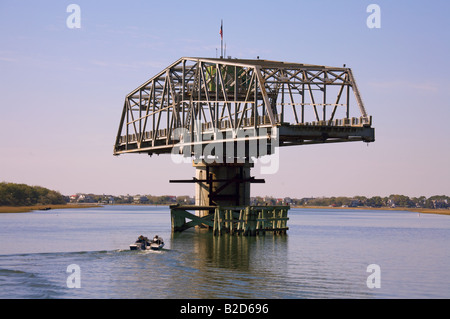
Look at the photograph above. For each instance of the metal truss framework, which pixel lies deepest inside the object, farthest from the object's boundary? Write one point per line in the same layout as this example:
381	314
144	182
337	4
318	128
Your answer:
296	103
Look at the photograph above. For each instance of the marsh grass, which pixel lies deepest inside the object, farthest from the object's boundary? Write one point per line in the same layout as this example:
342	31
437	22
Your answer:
27	209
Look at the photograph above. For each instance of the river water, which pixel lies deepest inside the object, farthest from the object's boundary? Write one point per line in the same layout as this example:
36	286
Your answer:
326	254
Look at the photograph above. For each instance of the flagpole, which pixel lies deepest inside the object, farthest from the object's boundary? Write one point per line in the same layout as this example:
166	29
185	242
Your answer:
221	39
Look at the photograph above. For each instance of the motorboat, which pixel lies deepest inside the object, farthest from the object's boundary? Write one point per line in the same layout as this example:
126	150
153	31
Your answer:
140	244
157	243
143	243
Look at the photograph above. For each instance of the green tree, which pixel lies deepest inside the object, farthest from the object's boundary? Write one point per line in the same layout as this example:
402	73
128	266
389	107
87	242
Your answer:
12	194
375	201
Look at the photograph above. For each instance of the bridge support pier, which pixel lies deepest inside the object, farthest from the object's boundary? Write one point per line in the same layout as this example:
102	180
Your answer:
222	184
222	203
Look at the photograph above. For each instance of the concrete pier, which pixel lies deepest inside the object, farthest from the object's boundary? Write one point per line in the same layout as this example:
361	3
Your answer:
222	184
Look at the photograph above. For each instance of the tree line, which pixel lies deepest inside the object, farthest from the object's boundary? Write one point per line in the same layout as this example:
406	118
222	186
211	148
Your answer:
12	194
137	199
394	200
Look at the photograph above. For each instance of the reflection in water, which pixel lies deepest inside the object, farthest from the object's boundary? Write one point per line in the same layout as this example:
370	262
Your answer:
260	267
230	266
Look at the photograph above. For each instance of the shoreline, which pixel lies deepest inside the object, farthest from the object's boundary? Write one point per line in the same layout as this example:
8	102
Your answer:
415	210
28	209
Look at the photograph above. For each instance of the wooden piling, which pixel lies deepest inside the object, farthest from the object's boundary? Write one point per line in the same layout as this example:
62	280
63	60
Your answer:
239	220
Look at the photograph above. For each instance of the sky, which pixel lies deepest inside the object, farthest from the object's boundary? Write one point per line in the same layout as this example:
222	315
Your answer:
62	90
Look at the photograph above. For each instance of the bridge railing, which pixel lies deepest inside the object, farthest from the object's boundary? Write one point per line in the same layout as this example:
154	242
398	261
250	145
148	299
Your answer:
247	123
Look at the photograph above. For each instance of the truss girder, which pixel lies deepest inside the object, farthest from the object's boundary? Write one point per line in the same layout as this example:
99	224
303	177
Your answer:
204	95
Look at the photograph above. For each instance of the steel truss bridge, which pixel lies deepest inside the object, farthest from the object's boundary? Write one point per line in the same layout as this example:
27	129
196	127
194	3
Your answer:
198	102
213	99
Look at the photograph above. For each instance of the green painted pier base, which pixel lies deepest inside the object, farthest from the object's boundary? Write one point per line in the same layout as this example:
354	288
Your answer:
235	220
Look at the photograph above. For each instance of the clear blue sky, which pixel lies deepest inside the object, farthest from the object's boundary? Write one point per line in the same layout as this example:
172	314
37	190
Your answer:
62	90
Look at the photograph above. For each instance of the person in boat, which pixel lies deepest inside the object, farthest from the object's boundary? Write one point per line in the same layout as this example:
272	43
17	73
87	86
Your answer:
157	239
143	241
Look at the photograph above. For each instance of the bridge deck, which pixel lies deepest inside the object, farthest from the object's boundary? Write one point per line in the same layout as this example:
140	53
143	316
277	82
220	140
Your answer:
339	130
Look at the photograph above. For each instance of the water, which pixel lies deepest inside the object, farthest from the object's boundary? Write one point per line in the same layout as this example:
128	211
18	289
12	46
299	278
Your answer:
325	255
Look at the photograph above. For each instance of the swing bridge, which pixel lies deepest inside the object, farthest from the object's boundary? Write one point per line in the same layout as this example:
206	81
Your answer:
225	113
